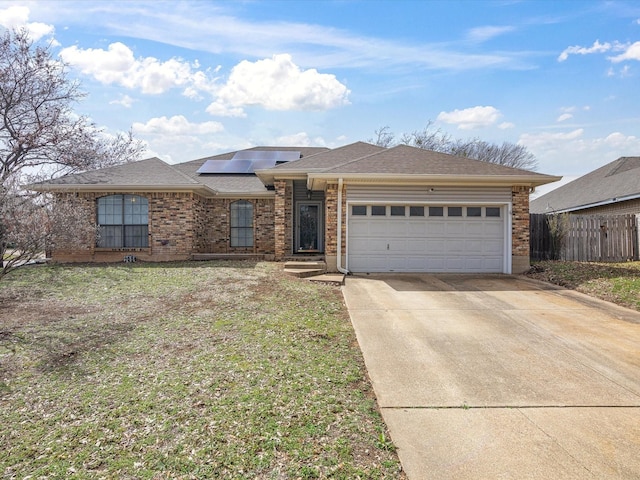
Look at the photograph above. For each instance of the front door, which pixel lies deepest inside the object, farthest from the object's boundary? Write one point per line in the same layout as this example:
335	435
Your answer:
309	227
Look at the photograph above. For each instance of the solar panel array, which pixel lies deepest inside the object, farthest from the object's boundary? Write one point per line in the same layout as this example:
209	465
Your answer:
248	161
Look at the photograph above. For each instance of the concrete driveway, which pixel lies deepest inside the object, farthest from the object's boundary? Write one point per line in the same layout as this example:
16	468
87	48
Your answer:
487	377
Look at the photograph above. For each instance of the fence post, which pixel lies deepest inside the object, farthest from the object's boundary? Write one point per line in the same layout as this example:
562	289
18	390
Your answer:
636	245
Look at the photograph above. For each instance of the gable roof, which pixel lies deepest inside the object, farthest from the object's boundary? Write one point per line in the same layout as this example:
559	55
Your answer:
403	162
615	182
143	175
318	162
358	162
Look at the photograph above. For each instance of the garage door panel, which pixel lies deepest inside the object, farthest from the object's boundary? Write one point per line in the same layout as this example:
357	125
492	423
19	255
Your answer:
455	245
378	227
425	244
416	245
417	228
455	228
492	247
436	247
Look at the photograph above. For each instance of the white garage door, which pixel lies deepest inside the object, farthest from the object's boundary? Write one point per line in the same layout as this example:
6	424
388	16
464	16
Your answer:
429	238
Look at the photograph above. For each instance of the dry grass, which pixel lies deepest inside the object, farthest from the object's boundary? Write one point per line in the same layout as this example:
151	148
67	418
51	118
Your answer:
193	370
614	282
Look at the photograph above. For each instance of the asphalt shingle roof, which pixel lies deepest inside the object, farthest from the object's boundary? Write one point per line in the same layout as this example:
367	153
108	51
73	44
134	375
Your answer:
149	172
330	158
230	183
359	158
618	179
404	159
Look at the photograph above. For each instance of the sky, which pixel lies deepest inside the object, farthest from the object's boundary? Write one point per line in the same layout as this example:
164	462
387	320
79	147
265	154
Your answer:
193	79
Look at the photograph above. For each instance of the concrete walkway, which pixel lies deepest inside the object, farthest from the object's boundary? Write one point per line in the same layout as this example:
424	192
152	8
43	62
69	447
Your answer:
487	377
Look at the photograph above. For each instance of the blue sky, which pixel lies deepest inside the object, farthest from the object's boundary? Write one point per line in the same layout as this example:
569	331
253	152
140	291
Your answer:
199	78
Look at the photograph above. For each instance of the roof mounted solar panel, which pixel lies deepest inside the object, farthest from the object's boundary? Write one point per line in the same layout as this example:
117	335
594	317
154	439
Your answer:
277	156
248	161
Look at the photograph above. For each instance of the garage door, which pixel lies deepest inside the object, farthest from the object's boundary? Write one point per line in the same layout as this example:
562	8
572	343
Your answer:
425	238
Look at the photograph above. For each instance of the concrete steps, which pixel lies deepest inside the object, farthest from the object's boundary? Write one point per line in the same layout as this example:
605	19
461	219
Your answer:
314	271
303	269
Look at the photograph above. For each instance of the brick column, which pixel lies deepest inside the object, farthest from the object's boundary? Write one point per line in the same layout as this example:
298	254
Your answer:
331	226
520	229
283	218
331	219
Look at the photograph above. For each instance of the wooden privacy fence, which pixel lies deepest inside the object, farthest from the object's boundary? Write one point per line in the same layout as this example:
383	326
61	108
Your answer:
584	238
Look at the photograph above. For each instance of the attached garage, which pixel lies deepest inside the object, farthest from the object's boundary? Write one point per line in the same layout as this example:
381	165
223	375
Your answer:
442	231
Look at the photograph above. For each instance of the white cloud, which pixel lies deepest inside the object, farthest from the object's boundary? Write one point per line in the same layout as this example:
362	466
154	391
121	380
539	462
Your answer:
219	109
125	100
278	84
619	140
482	34
572	152
300	139
117	65
176	125
16	17
563	117
631	52
548	140
506	125
597	47
471	118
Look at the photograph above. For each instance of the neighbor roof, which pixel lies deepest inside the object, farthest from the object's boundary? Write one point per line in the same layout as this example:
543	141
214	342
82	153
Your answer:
615	182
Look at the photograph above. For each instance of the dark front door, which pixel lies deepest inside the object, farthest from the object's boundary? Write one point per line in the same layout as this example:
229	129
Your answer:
309	227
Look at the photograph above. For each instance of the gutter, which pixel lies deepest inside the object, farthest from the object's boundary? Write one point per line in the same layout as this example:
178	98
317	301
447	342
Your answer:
339	239
602	203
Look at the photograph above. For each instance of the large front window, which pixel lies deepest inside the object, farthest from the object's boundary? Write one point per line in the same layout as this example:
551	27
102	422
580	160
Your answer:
242	224
123	221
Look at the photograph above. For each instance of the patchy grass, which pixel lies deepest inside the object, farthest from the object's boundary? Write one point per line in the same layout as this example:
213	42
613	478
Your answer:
190	370
615	282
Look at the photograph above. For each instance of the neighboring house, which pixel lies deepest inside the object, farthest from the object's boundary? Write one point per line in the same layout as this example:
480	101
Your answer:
363	208
611	189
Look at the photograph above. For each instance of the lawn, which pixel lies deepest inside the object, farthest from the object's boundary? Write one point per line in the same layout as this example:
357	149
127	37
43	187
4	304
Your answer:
614	282
190	370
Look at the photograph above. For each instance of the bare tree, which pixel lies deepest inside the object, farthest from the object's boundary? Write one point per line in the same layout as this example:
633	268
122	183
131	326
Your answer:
383	137
507	154
42	137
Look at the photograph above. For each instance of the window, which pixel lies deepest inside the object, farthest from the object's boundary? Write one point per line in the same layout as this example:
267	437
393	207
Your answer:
379	210
359	210
436	211
493	211
123	221
474	211
242	224
397	211
454	212
416	211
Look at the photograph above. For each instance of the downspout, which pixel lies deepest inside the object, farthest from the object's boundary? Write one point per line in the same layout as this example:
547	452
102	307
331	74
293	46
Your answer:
339	239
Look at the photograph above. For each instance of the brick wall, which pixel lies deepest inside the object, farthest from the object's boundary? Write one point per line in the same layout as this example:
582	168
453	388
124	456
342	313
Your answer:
179	224
216	228
283	219
520	229
331	219
172	230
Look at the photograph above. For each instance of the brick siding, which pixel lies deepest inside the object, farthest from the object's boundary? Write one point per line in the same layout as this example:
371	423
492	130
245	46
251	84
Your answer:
180	224
283	219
